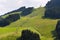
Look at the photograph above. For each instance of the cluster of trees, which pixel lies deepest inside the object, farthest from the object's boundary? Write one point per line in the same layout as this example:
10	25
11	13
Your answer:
9	19
28	35
27	11
24	11
14	16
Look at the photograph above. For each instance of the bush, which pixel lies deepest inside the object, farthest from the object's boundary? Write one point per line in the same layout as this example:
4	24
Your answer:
28	35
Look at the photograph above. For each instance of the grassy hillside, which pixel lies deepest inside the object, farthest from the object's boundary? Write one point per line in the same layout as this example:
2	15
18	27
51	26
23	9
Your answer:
34	22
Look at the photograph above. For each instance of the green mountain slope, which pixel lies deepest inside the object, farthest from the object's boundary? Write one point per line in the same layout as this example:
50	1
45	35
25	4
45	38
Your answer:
33	21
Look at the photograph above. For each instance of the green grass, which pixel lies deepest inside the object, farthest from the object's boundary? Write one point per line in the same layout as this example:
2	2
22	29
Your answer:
6	30
33	22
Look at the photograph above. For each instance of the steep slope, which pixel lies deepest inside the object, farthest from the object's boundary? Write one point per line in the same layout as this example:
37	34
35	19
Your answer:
33	21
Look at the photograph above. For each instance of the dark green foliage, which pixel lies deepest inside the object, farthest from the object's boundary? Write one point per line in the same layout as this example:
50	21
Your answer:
58	29
9	19
13	17
3	23
27	11
28	35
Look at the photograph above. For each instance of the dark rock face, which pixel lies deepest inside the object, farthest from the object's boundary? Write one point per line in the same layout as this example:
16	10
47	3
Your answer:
58	29
28	35
53	9
53	3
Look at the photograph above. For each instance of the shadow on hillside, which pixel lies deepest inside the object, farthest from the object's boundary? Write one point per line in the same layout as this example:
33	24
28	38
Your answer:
28	35
9	19
56	32
52	9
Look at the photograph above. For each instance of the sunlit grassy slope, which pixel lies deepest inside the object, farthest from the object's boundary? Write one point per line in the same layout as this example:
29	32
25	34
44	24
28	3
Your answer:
33	22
